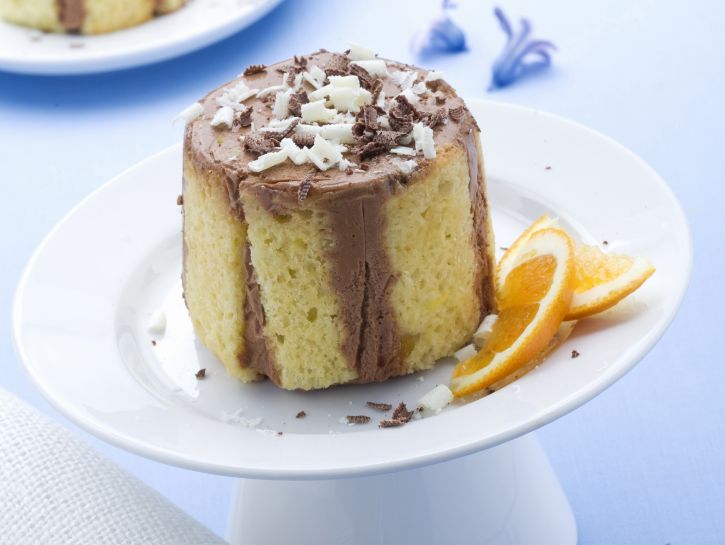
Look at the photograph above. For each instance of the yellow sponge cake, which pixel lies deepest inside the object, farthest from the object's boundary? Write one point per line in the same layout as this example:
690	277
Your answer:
84	16
336	224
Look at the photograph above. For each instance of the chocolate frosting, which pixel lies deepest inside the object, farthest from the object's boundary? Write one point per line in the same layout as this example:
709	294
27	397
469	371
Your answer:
71	14
361	274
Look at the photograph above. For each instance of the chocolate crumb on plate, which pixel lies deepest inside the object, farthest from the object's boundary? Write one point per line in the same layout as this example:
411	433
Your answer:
201	373
575	354
279	433
153	342
547	167
379	406
301	414
504	248
605	243
254	69
401	416
357	419
180	200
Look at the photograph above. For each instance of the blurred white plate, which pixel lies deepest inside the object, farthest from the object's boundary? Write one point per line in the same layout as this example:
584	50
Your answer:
84	303
196	25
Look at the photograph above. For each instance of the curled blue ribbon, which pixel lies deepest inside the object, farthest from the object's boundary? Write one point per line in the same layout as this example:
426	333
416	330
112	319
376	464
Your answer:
441	36
521	56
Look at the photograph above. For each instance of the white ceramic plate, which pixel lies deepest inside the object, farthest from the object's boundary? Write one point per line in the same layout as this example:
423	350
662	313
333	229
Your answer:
84	303
198	24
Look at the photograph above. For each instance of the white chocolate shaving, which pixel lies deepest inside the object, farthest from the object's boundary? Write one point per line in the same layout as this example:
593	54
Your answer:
381	100
190	113
224	116
410	95
360	53
435	401
424	142
483	333
270	90
281	104
268	160
304	128
341	132
419	88
315	76
375	67
464	353
433	75
406	167
384	122
323	154
344	164
157	323
296	154
403	150
316	112
235	95
345	81
404	78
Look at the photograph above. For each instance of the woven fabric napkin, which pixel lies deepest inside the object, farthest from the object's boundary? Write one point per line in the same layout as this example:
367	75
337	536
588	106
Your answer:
55	490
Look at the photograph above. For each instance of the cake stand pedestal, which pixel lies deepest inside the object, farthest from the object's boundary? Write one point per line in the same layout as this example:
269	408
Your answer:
506	495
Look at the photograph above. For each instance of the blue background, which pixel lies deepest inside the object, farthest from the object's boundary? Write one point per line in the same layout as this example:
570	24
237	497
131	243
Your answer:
644	463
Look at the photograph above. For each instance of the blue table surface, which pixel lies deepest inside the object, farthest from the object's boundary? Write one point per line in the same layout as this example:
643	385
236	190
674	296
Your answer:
643	463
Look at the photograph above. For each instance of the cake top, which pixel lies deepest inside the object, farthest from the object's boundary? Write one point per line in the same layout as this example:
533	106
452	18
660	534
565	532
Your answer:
326	120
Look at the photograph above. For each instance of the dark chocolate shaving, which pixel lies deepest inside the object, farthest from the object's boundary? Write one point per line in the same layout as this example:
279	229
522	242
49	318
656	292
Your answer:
370	118
301	414
201	373
337	65
377	88
436	118
371	149
304	188
440	99
366	80
261	143
357	419
456	114
401	416
180	200
303	140
244	119
575	354
295	103
379	406
291	76
388	138
401	412
254	69
300	61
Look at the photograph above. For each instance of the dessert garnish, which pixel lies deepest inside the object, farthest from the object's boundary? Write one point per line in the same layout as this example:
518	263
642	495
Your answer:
543	283
357	419
521	56
379	406
401	415
344	121
435	400
301	414
201	373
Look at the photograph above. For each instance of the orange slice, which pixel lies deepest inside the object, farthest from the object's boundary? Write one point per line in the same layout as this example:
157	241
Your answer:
602	280
534	295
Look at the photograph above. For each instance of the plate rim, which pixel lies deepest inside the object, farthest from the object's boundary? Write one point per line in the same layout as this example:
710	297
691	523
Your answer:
135	59
563	407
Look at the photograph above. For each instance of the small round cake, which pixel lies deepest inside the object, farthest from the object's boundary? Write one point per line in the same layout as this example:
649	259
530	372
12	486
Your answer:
84	16
336	224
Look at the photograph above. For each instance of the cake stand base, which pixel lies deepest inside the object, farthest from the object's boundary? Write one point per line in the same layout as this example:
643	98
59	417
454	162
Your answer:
506	495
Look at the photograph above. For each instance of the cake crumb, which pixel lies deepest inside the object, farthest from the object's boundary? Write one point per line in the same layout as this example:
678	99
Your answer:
201	373
301	414
574	354
379	406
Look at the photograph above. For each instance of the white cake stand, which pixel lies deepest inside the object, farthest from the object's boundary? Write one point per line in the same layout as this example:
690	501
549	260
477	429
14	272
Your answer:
468	475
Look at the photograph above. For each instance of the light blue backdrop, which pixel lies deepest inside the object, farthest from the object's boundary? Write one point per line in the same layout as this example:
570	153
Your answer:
644	463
